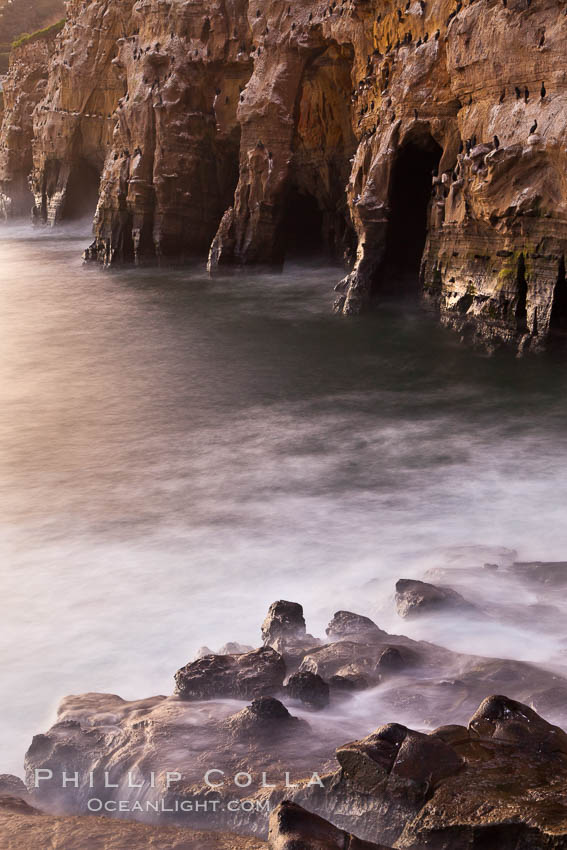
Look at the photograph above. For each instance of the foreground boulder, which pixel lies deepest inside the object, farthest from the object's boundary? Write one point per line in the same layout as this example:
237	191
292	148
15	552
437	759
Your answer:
294	828
254	674
419	597
497	784
397	755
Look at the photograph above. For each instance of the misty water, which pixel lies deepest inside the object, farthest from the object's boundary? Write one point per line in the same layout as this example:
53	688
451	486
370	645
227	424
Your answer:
177	452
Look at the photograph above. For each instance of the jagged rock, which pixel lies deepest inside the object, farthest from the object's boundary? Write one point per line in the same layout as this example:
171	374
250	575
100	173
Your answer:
254	674
309	688
497	783
345	625
395	752
293	828
505	720
23	88
419	597
284	621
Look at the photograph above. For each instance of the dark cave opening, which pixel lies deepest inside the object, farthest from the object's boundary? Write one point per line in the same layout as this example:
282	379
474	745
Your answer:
410	194
81	195
558	320
302	226
522	297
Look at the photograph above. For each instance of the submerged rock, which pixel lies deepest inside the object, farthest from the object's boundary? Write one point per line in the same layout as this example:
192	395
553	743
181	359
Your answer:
346	625
415	597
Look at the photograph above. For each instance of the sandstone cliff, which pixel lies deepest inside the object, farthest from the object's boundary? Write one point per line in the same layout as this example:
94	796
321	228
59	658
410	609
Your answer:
422	143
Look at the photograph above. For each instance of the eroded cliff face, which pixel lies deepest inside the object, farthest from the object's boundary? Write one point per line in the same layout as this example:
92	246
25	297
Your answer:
24	86
423	143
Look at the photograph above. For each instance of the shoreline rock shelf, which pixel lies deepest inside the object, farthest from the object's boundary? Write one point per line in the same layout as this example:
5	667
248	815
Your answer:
268	735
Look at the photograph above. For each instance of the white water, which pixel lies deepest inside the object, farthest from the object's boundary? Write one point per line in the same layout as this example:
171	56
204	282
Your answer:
176	453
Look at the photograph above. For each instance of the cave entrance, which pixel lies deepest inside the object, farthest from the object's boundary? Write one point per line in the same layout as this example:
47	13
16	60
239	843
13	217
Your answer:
303	226
410	194
558	320
81	195
316	218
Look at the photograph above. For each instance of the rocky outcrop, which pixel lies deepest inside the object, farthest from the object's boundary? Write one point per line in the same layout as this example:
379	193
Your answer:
477	786
237	715
254	674
423	145
284	621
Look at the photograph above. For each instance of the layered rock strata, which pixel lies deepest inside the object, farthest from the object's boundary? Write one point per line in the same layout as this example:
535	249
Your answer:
23	88
422	143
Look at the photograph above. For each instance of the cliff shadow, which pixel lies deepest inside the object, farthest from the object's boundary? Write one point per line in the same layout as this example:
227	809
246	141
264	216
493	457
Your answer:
558	319
82	191
303	226
315	219
410	194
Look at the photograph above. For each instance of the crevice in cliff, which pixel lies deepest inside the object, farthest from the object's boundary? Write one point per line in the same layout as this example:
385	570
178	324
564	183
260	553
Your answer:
558	319
81	195
410	193
316	218
521	297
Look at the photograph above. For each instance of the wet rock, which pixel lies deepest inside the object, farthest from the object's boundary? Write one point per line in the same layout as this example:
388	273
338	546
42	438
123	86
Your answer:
344	658
391	661
507	721
309	688
265	717
552	573
348	684
419	597
398	752
284	621
254	674
294	828
345	625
